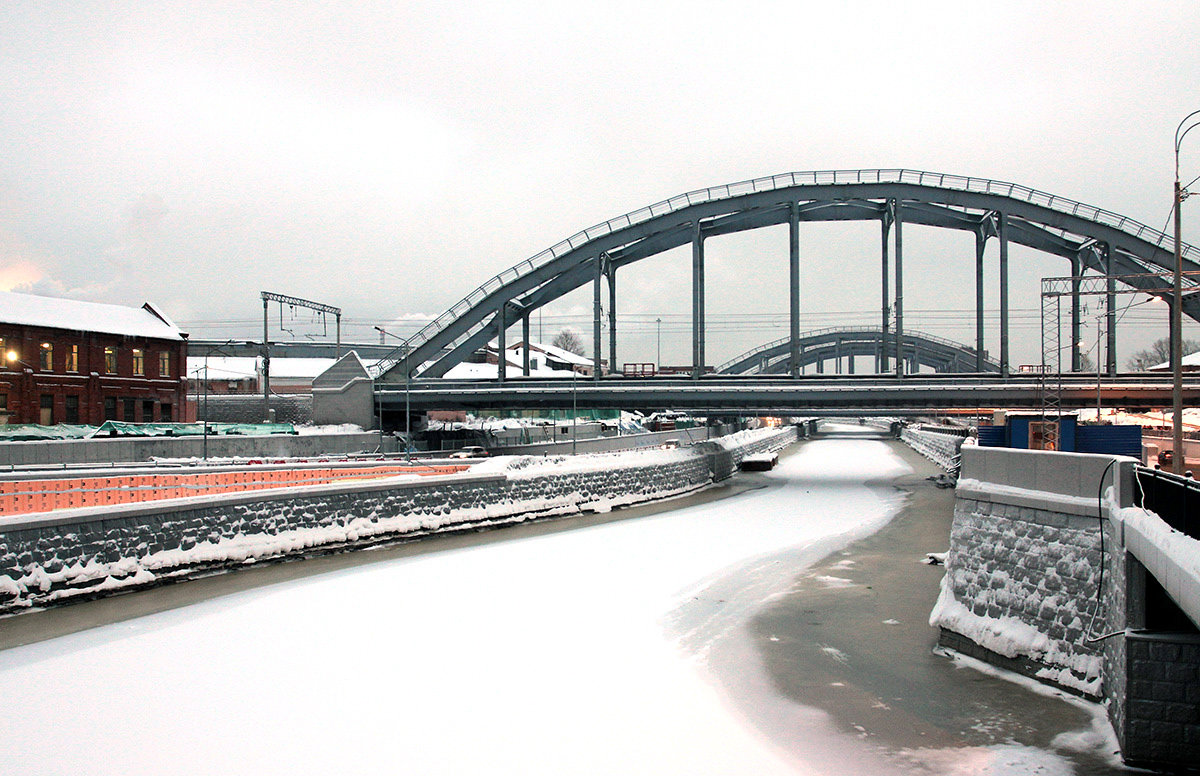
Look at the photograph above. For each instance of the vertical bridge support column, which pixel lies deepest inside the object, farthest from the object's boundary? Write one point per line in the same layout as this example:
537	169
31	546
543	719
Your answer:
1076	342
501	329
881	363
697	302
794	285
899	290
1002	232
980	245
596	315
611	272
525	345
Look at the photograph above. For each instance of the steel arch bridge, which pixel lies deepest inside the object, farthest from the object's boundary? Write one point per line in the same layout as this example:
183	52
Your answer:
836	343
1090	238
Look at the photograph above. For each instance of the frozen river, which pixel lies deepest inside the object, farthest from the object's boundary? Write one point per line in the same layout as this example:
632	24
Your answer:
572	652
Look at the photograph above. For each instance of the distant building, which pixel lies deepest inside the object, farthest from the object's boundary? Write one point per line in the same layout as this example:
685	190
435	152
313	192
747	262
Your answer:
82	362
243	374
553	358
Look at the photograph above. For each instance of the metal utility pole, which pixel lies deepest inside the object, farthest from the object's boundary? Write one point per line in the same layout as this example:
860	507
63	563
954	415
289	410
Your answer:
658	328
294	301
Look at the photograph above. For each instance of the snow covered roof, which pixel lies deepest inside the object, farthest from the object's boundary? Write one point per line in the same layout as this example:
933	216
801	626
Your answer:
222	367
468	371
1190	361
49	312
244	367
558	354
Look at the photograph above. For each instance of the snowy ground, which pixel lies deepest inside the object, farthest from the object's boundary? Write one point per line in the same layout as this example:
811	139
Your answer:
576	652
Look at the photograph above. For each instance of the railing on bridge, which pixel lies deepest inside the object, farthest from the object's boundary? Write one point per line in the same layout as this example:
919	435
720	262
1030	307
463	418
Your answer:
1173	498
772	183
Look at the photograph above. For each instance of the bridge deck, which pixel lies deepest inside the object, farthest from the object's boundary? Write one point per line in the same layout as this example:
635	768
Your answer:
812	395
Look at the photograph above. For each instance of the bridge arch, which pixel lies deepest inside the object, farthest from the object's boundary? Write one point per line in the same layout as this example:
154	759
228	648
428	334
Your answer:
835	343
1089	237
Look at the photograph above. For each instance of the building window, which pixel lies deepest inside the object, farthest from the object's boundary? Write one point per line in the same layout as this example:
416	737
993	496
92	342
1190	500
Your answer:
110	360
47	357
139	361
72	364
164	363
71	415
46	416
147	410
3	409
110	407
129	408
164	413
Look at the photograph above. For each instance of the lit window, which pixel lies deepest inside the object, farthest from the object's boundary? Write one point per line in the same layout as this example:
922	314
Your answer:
164	364
47	357
110	360
73	359
139	361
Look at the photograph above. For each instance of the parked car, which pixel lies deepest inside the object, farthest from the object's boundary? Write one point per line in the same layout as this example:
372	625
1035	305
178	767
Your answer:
473	451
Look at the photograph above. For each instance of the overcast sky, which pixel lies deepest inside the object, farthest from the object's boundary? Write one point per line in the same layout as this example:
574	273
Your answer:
387	158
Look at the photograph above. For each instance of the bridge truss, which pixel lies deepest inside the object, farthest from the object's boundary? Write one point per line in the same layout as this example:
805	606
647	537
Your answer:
847	342
1090	238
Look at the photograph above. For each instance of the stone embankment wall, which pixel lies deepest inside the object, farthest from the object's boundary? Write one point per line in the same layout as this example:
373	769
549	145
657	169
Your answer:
1045	577
940	448
56	556
1023	571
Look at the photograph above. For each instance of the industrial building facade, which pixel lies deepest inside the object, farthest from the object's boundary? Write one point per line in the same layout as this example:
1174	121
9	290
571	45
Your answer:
63	361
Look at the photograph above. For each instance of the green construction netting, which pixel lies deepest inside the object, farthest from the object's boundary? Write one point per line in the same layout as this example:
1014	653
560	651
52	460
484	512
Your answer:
117	428
30	432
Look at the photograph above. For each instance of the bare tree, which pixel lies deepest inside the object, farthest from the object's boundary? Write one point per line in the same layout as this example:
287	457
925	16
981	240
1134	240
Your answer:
569	340
1158	353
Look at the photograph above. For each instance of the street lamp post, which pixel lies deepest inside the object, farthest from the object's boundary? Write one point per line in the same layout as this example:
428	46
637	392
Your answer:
1177	455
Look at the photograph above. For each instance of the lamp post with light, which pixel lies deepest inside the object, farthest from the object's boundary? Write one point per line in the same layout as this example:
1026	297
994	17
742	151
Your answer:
1177	455
12	357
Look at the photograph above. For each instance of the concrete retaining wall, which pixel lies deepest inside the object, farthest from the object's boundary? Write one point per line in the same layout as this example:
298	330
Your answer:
1045	577
137	449
1023	572
89	552
942	449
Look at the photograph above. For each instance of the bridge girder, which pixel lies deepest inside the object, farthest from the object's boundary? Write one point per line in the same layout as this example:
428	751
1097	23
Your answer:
1038	226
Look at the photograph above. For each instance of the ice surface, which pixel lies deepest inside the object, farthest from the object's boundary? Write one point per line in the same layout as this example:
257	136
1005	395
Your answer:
535	655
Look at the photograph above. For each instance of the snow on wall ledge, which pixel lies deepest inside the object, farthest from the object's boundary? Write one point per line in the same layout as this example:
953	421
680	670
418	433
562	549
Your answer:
54	557
942	449
1025	562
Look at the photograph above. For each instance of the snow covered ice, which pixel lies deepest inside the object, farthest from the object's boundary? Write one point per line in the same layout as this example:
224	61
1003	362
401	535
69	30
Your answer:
545	654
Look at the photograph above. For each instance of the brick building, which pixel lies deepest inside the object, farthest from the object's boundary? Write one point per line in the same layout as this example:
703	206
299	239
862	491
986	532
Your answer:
81	362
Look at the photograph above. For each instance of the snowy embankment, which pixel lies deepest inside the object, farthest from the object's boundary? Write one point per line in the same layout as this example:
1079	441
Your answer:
1025	563
940	448
85	552
546	654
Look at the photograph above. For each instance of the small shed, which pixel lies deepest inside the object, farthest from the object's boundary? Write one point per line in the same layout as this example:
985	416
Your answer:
1027	431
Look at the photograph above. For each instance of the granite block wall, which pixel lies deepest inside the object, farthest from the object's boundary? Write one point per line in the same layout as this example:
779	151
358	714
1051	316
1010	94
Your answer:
942	449
1163	704
1028	580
